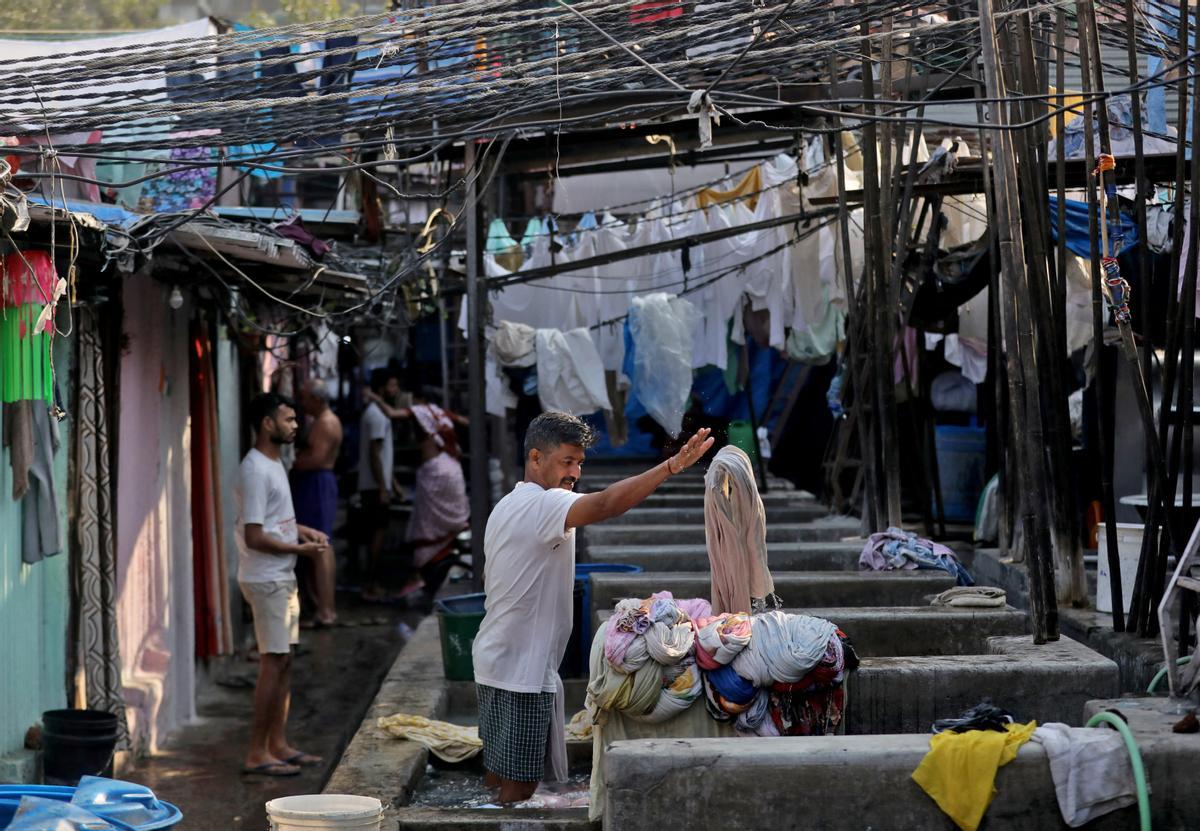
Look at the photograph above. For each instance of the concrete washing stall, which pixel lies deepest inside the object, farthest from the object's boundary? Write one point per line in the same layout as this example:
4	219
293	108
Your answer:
970	654
919	663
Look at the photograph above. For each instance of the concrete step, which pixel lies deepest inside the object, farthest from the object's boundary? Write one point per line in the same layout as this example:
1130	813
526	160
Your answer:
677	485
831	529
893	631
796	556
791	512
1048	682
696	500
796	588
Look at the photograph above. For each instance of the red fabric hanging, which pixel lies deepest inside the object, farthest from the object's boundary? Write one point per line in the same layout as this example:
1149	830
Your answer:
209	575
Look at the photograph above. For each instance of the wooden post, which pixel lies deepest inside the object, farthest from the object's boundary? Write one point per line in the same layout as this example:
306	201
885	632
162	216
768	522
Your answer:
1059	510
476	320
883	344
1019	340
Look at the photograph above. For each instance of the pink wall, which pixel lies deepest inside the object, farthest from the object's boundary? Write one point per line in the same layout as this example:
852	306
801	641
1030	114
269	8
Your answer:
154	543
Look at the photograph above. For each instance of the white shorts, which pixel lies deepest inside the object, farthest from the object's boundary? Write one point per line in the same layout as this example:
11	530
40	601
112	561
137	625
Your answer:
276	608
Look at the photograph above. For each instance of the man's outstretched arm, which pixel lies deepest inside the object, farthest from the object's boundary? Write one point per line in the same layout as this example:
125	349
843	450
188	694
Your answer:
619	497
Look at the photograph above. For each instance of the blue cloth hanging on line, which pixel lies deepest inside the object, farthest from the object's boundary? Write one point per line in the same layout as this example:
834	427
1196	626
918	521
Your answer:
1079	240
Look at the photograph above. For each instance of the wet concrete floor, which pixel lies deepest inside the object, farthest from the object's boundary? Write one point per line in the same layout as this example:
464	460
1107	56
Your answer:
336	675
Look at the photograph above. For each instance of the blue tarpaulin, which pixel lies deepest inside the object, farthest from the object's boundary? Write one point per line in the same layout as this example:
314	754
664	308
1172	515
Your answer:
1078	238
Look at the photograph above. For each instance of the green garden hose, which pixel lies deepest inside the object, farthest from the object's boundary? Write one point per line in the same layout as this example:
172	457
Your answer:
1135	760
1158	676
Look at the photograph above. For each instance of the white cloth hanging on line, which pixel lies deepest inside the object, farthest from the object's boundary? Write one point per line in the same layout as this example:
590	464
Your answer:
570	373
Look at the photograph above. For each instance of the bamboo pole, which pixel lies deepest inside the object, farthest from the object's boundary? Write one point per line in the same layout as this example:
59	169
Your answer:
1019	339
878	343
476	318
1059	511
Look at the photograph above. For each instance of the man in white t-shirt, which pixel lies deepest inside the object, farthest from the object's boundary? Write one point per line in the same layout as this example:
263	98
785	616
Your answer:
529	577
376	465
269	540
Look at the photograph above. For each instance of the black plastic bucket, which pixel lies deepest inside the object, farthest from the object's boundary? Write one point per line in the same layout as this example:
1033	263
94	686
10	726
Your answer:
77	743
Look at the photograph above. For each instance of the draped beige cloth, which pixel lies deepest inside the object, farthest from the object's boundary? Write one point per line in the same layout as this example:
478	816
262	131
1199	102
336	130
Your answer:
735	531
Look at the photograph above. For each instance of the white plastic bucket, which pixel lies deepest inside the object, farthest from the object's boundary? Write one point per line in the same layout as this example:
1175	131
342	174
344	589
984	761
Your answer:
325	812
1129	551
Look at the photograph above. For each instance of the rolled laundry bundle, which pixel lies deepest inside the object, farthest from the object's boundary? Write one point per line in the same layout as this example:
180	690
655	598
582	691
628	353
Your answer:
972	596
733	688
695	607
679	695
756	719
669	644
724	636
783	648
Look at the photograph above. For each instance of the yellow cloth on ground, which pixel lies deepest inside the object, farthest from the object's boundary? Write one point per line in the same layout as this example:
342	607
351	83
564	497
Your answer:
959	771
449	742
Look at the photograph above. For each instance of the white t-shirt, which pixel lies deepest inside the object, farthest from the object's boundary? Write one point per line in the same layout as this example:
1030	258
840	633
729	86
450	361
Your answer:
375	426
529	577
265	498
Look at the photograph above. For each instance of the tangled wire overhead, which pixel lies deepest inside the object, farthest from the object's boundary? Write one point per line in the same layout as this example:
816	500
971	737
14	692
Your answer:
475	68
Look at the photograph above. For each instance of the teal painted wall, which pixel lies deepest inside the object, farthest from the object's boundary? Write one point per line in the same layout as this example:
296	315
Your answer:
34	602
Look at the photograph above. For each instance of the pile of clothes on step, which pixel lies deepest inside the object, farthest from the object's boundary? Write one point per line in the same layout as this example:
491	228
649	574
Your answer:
771	674
1090	767
896	548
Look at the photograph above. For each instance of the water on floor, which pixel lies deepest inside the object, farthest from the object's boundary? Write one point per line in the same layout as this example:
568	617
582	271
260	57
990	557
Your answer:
463	788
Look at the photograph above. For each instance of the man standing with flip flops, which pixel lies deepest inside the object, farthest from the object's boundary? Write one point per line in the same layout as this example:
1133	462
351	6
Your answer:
269	540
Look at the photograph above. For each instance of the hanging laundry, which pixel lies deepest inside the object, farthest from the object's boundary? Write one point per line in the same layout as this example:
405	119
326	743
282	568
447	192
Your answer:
294	230
735	533
817	344
500	244
661	326
28	286
1092	773
18	440
570	373
40	537
1159	219
987	515
952	392
514	344
896	548
959	771
498	395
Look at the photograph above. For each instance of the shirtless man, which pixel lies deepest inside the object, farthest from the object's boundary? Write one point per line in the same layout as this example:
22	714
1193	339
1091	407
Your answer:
315	490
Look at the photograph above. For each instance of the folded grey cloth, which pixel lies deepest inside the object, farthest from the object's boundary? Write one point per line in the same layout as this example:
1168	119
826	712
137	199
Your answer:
977	596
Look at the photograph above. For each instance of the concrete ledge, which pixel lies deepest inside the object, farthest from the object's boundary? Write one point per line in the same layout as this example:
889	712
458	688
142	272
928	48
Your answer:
829	529
1050	682
1138	658
693	512
19	768
826	782
797	588
376	764
516	819
795	556
913	630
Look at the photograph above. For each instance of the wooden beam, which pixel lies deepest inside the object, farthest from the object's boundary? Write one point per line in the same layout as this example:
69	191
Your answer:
968	178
